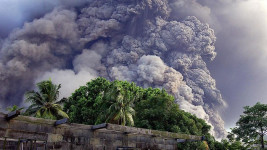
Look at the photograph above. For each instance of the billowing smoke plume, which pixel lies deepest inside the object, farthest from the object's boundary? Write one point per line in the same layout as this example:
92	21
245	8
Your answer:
139	41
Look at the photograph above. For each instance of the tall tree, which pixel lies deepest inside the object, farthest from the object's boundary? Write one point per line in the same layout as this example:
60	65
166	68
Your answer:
121	104
44	102
252	125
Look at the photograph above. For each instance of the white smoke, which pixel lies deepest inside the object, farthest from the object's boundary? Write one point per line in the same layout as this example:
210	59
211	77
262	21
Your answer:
86	67
69	80
138	41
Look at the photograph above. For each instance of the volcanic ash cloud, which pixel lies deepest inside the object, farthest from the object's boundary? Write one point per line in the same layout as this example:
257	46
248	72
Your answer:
139	41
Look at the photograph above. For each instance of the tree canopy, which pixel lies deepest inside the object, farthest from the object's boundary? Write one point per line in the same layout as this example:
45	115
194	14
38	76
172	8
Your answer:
44	102
157	110
124	103
252	125
101	101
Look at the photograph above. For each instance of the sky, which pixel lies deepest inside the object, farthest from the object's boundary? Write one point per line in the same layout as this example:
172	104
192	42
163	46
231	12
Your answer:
239	68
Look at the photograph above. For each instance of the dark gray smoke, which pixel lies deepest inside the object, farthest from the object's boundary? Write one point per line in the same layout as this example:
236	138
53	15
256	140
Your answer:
39	46
146	42
240	67
15	12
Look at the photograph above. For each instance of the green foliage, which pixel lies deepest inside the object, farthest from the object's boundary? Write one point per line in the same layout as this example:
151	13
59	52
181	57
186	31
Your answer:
103	101
249	131
252	125
237	145
229	145
86	105
14	108
125	103
44	102
157	110
121	101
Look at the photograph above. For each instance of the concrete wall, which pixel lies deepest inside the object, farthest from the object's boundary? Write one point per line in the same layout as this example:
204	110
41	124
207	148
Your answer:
30	132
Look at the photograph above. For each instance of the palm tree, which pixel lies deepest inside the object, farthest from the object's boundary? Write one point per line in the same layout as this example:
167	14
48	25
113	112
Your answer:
120	110
44	102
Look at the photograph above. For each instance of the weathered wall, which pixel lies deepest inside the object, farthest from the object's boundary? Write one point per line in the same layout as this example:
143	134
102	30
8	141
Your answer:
81	137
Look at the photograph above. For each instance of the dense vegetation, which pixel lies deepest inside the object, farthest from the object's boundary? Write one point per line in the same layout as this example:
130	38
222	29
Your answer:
122	102
249	131
251	126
